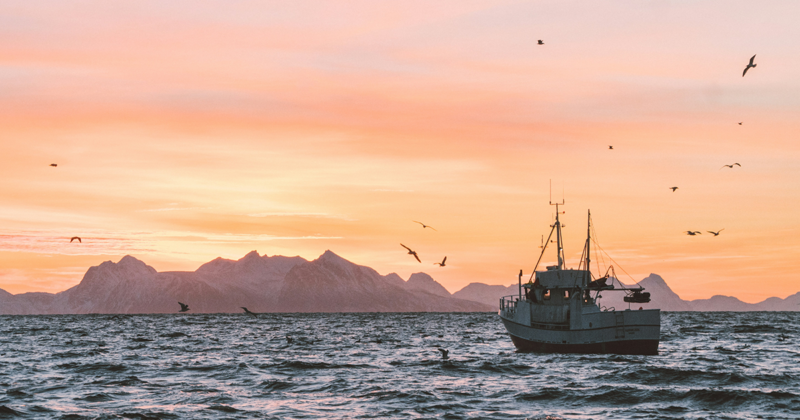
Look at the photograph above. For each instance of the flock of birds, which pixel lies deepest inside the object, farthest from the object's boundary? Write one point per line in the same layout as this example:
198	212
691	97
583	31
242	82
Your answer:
414	253
750	65
697	232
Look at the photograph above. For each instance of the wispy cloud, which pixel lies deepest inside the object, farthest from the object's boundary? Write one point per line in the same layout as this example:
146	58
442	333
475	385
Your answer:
261	238
91	243
176	209
117	243
302	214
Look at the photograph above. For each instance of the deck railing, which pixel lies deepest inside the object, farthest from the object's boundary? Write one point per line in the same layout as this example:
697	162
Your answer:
508	305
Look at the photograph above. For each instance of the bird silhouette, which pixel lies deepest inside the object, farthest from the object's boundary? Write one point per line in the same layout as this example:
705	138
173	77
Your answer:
731	166
540	42
184	307
715	233
740	122
74	238
611	147
247	311
673	188
54	165
444	353
411	252
441	264
750	64
424	225
693	233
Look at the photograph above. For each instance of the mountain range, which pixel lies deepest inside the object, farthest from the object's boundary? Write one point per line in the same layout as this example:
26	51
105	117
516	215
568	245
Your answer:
293	284
260	283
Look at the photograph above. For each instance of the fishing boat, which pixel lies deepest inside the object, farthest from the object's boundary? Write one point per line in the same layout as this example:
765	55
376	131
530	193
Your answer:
557	310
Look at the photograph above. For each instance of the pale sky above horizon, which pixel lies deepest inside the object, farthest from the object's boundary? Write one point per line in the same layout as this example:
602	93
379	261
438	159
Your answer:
186	131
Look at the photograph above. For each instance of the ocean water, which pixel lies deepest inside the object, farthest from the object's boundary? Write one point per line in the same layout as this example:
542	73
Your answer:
354	366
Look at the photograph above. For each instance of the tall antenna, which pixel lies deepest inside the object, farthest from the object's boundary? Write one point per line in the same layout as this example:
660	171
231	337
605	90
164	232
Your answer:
551	197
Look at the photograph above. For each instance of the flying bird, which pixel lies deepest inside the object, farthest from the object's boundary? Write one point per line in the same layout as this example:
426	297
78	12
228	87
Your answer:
693	233
441	264
611	147
444	353
411	252
540	42
54	165
673	188
247	311
715	233
750	64
740	122
184	307
74	238
731	166
424	225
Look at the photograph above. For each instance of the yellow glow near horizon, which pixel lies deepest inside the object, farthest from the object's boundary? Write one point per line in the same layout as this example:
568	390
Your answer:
184	132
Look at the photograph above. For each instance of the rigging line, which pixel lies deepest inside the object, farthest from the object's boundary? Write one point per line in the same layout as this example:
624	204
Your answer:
600	259
597	254
620	267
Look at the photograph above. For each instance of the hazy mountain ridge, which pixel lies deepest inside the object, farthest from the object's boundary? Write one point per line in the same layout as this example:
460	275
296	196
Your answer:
661	295
292	284
261	283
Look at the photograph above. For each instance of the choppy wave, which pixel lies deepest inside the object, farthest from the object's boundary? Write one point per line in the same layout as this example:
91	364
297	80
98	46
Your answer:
302	366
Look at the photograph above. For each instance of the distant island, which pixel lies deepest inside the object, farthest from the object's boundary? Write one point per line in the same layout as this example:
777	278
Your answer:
293	284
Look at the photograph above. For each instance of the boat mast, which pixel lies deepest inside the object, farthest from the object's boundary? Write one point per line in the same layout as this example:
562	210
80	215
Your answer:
588	244
559	241
560	249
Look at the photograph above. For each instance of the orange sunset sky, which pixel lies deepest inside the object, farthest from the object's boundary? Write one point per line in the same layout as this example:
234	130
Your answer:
189	130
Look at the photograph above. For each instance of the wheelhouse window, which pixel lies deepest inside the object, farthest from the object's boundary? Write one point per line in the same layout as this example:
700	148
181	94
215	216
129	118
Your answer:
546	294
565	294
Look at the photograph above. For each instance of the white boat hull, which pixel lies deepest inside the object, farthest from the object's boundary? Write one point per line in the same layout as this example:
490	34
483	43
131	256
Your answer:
614	332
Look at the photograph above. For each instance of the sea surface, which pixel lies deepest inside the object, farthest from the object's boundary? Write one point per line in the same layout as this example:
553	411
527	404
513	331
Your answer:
718	365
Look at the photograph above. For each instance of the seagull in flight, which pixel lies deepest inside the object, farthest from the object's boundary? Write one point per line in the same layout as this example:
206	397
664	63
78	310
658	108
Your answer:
693	233
424	225
731	166
673	188
715	233
740	122
54	165
444	353
750	64
247	311
540	42
184	307
611	147
441	264
411	252
74	238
